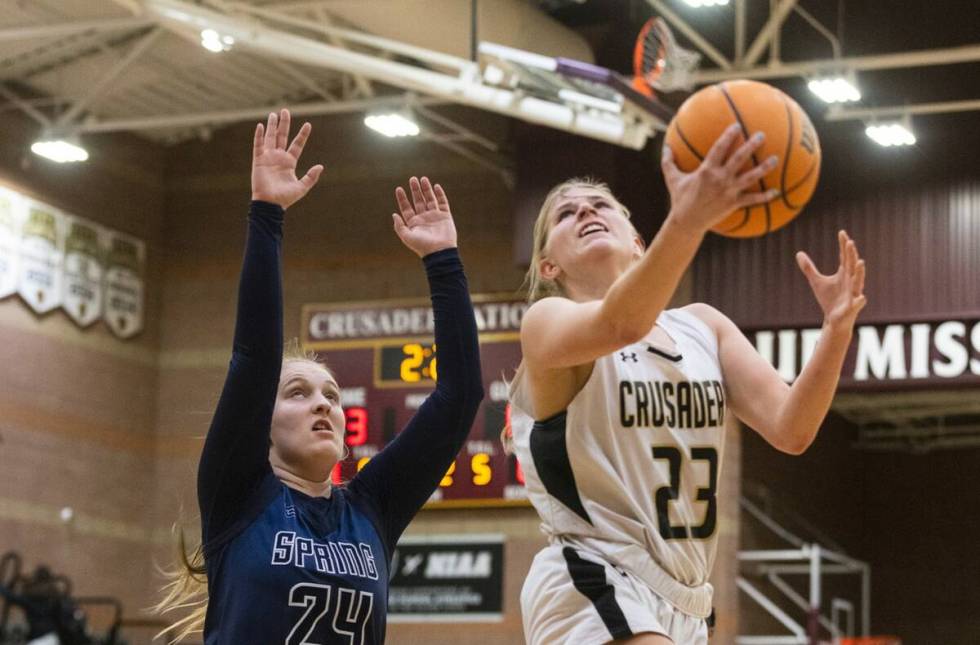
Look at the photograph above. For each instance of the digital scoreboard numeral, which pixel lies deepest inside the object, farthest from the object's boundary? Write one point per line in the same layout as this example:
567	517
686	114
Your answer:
419	363
407	364
480	465
447	479
357	426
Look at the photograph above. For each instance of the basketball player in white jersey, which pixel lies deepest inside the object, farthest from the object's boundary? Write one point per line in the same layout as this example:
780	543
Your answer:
619	405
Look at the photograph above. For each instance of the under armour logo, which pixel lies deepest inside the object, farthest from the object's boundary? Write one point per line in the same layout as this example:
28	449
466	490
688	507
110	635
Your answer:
629	357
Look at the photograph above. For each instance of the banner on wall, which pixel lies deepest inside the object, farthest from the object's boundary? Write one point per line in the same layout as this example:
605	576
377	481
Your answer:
10	224
886	356
447	578
82	295
124	284
41	258
53	259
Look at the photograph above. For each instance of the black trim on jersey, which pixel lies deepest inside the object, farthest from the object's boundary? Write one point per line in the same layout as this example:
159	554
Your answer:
589	579
676	358
550	454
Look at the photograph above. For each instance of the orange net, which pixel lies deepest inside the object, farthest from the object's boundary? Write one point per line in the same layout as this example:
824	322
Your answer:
871	640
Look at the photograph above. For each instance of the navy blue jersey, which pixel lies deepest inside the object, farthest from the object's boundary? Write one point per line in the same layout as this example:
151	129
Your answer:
304	571
284	567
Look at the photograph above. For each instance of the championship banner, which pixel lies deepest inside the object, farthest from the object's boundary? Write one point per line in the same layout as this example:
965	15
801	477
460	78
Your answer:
82	289
54	259
124	285
41	258
11	214
447	578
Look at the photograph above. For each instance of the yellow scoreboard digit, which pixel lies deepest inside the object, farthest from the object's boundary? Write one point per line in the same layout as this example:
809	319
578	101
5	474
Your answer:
406	364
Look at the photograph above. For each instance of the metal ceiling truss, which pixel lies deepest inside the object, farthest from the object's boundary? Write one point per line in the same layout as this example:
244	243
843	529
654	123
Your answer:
425	72
76	27
313	42
25	106
744	63
103	84
305	33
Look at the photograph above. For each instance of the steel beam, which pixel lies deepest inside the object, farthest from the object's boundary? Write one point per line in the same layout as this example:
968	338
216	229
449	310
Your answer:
921	58
362	84
109	77
332	32
768	32
739	31
837	113
699	41
247	114
823	31
26	107
302	79
68	28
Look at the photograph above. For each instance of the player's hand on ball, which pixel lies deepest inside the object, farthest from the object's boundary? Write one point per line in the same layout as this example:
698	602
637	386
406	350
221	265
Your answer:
274	165
841	295
704	197
424	223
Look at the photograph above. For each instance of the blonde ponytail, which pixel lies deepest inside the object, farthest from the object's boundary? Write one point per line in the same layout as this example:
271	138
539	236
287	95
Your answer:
186	590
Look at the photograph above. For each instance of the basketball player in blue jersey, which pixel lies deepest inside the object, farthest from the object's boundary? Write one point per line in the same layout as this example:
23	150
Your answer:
620	405
290	558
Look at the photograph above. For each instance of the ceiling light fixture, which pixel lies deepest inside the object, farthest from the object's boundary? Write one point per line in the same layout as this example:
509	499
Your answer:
697	4
835	89
392	124
889	134
215	42
59	150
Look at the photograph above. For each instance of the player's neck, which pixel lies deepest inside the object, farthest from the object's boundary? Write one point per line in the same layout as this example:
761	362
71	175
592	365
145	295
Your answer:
588	281
591	287
297	482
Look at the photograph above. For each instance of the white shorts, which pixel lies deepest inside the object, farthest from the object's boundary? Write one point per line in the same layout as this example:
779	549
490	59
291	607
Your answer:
575	598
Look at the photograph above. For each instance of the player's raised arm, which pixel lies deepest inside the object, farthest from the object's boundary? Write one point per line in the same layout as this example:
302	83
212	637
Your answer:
403	476
564	332
236	452
789	417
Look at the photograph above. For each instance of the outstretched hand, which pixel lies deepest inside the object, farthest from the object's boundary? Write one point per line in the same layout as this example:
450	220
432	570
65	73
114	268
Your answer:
274	165
704	197
424	224
841	295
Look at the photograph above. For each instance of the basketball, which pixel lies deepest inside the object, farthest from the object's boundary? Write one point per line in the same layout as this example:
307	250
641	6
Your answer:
789	135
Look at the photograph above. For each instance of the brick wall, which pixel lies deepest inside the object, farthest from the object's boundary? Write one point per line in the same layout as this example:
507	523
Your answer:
78	407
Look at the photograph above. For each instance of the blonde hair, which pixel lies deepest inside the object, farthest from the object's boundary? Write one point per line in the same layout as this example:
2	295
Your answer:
537	286
186	589
187	581
293	352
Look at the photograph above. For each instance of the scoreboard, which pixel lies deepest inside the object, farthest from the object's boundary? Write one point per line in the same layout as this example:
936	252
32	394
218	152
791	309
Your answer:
386	363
